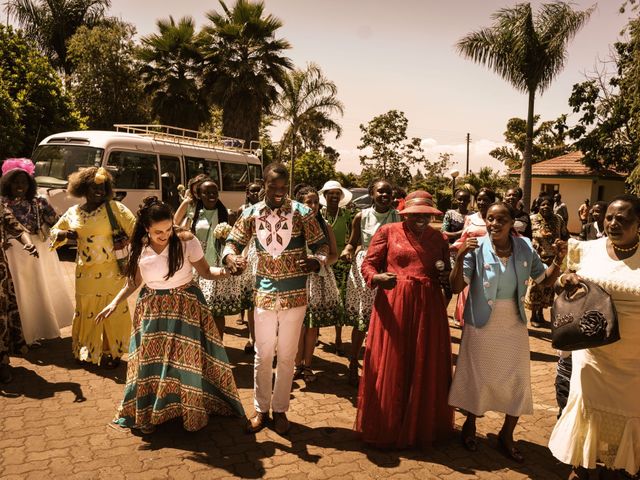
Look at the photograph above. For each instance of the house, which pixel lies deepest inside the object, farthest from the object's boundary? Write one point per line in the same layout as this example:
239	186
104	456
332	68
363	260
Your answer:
575	181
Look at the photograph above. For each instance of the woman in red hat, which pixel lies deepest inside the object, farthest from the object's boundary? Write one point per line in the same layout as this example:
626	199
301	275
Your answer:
402	400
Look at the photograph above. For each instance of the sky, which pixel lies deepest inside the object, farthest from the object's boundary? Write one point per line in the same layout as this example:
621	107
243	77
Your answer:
401	55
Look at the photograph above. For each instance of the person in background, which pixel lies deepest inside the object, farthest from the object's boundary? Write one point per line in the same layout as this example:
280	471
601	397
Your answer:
402	401
11	339
186	210
223	297
595	229
601	422
98	277
454	219
335	200
560	208
283	230
522	224
493	368
399	195
583	212
325	305
360	296
248	278
535	205
42	315
546	227
177	364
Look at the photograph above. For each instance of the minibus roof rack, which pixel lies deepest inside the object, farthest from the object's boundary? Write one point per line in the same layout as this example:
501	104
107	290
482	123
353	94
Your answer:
184	136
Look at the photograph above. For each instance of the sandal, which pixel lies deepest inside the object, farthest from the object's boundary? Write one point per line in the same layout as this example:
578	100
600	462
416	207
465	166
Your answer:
110	363
469	438
298	373
308	375
513	453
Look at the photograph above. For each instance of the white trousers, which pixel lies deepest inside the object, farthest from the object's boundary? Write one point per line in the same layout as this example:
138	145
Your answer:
275	329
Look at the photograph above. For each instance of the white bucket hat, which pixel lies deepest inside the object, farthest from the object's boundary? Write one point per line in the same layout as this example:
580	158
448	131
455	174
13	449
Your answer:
335	185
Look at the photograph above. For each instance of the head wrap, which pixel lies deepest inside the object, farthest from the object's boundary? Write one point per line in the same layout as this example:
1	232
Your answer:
23	164
101	176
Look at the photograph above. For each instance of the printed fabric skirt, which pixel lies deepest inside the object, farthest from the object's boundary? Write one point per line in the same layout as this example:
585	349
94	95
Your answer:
538	296
248	277
223	296
11	339
324	308
177	365
359	298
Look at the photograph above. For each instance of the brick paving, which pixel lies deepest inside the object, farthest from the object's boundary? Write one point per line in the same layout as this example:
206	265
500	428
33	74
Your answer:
56	414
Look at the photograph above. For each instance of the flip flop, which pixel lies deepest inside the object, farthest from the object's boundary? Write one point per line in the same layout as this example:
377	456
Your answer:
513	453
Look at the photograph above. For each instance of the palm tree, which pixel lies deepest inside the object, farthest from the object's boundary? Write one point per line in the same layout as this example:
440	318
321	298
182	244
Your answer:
51	23
244	65
306	104
171	72
528	51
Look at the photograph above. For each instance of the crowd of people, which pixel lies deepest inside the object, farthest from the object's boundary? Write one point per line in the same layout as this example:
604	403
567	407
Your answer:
293	264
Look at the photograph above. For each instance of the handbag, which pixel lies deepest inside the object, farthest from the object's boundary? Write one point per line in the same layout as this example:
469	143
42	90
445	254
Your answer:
121	241
584	318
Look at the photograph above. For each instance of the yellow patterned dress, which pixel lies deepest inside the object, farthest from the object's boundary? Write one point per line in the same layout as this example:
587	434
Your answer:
98	281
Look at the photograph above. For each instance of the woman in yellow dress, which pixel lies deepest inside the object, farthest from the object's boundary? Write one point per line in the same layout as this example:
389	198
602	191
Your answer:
98	278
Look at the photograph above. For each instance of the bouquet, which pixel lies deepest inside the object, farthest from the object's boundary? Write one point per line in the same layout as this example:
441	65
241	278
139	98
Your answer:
222	231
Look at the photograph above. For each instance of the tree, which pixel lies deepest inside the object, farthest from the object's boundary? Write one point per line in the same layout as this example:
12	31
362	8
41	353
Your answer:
528	51
608	130
244	65
489	178
392	153
105	83
51	23
435	180
314	169
548	141
171	72
306	104
32	102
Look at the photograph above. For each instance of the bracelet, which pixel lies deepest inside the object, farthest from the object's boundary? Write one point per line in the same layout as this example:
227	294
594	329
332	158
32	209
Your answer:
559	265
562	280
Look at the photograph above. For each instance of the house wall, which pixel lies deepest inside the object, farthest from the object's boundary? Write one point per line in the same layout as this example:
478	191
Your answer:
574	191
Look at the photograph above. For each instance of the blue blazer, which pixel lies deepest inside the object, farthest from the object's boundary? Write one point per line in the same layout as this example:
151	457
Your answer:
482	272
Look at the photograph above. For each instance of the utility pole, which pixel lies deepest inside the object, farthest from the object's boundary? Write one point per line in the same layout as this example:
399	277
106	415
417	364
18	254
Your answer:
468	141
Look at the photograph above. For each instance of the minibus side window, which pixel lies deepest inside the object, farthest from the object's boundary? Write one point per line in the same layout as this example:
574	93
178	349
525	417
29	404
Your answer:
170	178
234	176
134	170
255	173
196	166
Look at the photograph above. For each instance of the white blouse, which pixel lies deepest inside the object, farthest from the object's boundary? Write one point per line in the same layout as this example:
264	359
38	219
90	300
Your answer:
154	267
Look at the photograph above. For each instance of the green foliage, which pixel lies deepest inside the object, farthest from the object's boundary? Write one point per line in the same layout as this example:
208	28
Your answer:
32	102
392	153
487	178
348	180
244	64
171	74
105	81
528	50
548	141
51	23
314	168
608	130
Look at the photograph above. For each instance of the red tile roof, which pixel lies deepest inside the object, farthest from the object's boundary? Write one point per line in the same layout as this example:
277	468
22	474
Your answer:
567	165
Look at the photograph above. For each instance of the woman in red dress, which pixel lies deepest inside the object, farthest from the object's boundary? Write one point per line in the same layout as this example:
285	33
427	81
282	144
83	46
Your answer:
402	400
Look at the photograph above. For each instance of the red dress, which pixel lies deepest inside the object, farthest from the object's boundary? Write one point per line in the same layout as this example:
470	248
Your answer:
403	396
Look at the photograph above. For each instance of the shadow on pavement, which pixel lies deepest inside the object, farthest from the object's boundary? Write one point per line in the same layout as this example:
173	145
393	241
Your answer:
28	383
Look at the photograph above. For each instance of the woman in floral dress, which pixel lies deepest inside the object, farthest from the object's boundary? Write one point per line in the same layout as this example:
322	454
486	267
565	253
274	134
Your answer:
98	276
546	227
42	315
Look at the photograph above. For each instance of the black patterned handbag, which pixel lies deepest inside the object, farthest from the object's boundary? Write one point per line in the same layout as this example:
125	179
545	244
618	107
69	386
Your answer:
585	318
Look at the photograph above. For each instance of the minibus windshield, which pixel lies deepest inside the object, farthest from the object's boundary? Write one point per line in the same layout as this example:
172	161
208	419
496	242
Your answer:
54	163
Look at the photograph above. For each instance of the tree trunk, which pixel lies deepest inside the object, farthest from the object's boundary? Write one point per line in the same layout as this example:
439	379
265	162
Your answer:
525	171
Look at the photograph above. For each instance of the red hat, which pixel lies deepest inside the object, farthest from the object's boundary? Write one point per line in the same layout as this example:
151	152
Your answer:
419	202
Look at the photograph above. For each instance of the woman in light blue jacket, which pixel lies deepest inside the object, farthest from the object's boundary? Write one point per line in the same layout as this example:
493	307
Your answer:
492	372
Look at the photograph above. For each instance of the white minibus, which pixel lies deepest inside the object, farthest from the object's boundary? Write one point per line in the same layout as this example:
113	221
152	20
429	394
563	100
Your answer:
146	160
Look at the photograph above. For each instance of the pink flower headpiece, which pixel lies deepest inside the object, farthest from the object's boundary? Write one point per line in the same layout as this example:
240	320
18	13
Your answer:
23	164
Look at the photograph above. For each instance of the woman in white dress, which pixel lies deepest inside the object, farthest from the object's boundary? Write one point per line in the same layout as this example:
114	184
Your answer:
492	371
601	422
44	298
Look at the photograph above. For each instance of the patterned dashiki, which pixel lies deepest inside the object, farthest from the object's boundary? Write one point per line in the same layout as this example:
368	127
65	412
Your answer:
281	238
453	221
11	339
32	214
178	367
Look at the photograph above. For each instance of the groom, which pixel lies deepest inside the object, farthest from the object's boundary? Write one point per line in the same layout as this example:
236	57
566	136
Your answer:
283	230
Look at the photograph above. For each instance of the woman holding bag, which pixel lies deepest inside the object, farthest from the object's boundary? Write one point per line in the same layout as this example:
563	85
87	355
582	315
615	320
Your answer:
601	421
98	275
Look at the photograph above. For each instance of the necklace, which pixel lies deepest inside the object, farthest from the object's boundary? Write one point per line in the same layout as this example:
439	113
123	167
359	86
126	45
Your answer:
630	249
333	221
